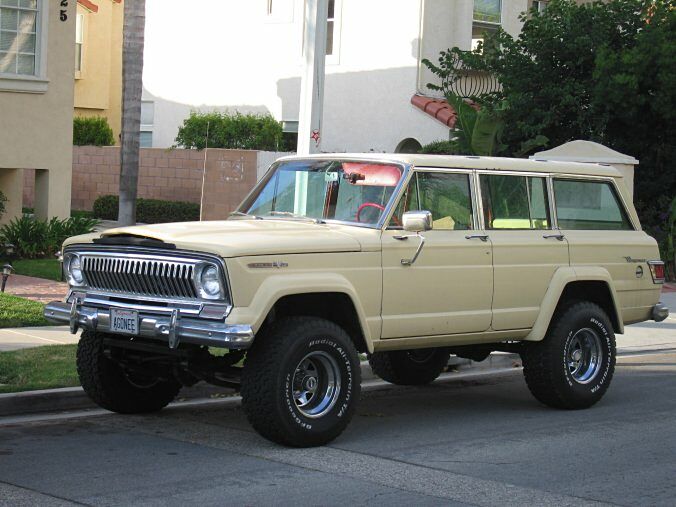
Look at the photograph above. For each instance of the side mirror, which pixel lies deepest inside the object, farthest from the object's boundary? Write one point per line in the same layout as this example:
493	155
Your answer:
417	221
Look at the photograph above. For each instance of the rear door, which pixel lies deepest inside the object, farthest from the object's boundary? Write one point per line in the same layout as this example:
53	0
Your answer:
526	251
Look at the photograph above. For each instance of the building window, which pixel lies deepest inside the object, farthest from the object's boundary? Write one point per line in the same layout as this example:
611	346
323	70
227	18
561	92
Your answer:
19	42
486	17
79	41
147	123
332	31
539	5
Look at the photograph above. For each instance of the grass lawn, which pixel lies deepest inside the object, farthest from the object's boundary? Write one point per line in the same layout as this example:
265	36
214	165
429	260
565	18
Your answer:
41	268
20	312
38	368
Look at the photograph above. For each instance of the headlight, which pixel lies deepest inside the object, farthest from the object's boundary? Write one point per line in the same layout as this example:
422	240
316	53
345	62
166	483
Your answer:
74	270
209	282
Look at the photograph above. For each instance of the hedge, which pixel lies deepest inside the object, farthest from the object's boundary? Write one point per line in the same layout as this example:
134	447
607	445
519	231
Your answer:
92	131
148	211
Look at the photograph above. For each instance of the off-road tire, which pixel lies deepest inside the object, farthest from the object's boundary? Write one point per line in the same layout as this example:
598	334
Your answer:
546	367
409	367
106	384
270	372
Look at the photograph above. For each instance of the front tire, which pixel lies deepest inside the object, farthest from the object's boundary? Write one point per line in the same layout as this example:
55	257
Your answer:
110	387
573	366
409	367
301	382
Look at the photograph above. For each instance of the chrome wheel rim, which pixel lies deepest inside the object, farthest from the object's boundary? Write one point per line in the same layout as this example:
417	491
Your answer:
316	384
584	355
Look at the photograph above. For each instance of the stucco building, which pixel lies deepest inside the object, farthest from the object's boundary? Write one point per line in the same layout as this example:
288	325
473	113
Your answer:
98	61
247	56
36	103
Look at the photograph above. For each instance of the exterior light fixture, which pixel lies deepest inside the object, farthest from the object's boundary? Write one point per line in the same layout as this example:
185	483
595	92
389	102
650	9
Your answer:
6	271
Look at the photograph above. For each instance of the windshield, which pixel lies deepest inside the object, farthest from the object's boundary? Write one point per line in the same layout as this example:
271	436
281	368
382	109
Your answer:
325	189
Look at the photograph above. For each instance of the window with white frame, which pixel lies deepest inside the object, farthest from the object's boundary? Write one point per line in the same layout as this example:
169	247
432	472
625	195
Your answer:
147	123
332	31
486	17
279	11
79	41
19	40
540	5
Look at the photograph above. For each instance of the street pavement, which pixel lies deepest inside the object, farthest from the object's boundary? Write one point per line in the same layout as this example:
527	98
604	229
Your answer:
477	439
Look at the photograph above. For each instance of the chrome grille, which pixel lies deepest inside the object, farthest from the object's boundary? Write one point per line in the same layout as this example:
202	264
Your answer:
140	276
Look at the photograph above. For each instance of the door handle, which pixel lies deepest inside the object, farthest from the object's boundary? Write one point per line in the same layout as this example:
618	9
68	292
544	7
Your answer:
558	236
482	237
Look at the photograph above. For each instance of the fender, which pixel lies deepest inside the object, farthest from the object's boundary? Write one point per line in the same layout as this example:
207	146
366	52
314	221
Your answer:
276	287
562	277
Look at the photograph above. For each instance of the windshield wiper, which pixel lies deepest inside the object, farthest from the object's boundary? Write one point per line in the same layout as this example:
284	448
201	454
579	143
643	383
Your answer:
242	214
294	215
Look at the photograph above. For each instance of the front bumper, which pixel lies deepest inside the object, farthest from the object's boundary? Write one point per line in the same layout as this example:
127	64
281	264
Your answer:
168	326
660	312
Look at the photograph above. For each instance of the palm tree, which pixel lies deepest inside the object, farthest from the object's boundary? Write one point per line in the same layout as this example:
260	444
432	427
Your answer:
132	88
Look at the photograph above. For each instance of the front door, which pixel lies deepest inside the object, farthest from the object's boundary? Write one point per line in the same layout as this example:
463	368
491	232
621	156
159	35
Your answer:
448	290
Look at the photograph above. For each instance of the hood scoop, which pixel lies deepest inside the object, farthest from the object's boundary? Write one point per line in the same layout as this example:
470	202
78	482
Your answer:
133	240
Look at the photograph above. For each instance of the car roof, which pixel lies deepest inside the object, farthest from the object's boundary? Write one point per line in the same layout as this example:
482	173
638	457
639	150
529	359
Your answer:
474	162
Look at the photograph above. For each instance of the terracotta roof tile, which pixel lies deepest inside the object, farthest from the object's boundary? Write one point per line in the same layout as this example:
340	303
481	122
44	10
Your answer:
436	108
89	5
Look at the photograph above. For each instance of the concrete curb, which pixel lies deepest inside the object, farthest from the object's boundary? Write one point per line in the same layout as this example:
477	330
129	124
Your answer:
74	398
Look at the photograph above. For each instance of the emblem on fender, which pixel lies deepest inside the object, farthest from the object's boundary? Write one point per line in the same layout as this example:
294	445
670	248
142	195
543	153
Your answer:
276	264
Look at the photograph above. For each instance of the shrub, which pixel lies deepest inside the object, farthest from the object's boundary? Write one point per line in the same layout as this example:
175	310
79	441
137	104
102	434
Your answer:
3	200
234	131
440	148
33	238
92	131
148	211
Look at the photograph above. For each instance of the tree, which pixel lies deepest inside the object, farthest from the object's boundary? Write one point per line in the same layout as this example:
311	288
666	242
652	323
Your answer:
132	88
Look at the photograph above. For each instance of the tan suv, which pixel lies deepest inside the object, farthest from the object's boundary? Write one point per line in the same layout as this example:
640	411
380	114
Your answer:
407	259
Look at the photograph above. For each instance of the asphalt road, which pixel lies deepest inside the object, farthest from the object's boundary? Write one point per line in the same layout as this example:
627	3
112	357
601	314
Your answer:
480	440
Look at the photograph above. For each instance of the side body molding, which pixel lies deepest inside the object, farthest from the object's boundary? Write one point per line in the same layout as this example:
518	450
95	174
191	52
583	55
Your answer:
562	277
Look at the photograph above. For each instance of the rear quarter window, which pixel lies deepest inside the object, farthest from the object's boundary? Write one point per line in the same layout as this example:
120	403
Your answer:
589	205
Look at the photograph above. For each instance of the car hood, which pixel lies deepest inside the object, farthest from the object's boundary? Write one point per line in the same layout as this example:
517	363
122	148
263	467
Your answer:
243	237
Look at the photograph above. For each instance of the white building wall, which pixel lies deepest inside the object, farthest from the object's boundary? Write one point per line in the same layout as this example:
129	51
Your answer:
229	54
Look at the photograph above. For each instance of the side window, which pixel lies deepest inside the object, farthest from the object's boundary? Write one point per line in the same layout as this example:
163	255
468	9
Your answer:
589	205
514	202
445	195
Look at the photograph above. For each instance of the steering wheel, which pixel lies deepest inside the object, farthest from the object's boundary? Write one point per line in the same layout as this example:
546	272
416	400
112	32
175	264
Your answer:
368	205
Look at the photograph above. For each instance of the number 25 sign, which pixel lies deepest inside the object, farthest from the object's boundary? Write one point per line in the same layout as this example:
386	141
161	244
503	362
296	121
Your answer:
63	14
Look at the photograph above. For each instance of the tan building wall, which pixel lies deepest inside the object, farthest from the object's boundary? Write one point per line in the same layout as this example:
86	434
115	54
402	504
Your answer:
173	175
98	85
36	118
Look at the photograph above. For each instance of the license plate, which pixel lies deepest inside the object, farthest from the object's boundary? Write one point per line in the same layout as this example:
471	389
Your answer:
124	321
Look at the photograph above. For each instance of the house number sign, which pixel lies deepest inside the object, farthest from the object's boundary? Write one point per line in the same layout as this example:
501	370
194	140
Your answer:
63	14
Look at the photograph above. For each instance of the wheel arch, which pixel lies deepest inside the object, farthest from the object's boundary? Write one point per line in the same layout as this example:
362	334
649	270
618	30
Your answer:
592	284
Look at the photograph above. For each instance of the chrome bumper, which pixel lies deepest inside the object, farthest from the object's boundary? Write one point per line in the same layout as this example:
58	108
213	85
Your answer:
660	312
170	328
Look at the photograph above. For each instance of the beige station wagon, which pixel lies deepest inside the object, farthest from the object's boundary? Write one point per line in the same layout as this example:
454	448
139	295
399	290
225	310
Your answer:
407	259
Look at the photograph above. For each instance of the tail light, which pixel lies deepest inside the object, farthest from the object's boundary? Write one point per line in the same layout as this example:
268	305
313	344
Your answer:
657	270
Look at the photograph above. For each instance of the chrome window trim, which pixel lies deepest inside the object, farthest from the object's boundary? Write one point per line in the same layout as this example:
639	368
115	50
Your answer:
134	252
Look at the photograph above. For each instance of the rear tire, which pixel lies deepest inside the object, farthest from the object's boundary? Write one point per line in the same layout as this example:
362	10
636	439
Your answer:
107	384
409	367
573	366
301	382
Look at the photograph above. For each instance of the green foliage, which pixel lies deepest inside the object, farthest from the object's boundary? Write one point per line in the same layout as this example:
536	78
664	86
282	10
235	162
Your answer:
3	200
148	211
92	131
440	148
34	368
599	71
231	130
33	238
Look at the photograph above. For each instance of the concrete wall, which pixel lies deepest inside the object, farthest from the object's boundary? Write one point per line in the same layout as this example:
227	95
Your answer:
36	123
172	175
98	86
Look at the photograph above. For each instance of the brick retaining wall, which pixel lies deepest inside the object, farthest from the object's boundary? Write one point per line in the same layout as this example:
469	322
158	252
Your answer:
174	175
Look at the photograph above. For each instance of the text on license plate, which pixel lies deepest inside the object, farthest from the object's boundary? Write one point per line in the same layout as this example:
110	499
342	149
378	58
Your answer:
124	321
